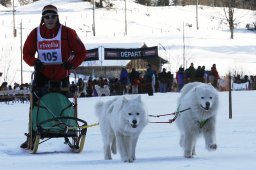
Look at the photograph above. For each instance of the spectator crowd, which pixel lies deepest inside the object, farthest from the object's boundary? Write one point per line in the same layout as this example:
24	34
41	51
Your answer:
135	82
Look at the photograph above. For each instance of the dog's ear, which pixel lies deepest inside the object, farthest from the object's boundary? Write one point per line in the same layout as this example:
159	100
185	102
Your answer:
125	100
110	109
139	99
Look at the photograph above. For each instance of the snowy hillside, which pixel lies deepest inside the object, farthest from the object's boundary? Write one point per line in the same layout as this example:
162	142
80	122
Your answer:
155	26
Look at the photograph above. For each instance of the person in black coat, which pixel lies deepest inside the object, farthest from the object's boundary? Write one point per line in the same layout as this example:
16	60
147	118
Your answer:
135	80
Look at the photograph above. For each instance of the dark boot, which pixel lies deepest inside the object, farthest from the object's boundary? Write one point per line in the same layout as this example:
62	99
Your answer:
24	145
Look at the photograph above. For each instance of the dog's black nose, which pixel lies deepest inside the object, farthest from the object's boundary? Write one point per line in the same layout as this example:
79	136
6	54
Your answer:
134	122
207	104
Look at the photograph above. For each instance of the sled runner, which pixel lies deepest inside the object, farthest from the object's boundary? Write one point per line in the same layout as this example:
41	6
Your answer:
54	116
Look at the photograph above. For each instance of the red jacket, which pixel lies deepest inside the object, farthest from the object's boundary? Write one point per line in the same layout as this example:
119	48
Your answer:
70	44
215	73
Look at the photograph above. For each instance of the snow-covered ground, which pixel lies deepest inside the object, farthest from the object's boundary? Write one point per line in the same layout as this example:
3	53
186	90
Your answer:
155	26
158	146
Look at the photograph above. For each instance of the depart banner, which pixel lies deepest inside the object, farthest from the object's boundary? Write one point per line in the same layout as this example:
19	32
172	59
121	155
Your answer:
92	54
130	54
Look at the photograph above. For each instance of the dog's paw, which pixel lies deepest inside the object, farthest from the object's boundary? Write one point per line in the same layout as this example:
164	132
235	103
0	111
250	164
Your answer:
188	154
128	160
212	147
108	158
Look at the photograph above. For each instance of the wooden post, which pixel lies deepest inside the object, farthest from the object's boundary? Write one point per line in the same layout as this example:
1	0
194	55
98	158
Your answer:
75	97
21	53
230	96
30	125
13	20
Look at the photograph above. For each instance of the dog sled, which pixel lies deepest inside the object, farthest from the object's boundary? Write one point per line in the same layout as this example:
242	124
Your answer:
54	116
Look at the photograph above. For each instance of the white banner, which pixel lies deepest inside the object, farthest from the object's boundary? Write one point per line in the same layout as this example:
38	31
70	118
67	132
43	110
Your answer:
241	86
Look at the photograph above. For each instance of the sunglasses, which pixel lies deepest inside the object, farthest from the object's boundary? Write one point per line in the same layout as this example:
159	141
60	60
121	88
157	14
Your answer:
50	16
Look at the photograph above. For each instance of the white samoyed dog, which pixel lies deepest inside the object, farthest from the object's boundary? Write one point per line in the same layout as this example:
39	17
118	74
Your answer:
121	122
202	101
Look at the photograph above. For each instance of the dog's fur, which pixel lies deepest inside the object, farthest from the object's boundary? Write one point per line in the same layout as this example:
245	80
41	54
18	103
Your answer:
121	122
202	99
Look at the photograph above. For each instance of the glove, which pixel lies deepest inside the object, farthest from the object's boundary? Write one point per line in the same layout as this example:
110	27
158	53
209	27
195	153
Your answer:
38	65
67	65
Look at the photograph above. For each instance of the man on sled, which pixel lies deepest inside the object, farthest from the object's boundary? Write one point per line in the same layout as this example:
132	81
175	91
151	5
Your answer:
59	49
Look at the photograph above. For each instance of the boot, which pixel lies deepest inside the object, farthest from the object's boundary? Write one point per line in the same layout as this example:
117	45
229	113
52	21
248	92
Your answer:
24	145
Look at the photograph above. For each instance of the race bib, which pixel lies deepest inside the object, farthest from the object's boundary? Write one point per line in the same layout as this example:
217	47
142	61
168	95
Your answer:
49	50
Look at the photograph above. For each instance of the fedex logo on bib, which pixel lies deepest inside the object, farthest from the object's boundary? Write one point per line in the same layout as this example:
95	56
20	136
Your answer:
49	45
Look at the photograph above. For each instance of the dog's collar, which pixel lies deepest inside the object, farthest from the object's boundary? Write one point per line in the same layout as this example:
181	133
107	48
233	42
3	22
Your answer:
202	123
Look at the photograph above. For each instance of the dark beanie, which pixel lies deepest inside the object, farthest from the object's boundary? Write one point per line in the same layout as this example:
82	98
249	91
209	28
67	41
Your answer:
49	9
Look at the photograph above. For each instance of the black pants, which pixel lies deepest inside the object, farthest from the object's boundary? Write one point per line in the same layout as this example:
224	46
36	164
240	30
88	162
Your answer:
41	85
149	89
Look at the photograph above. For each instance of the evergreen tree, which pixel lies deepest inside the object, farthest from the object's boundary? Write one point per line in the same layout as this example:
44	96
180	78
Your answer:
144	2
175	2
5	2
25	2
163	3
160	3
